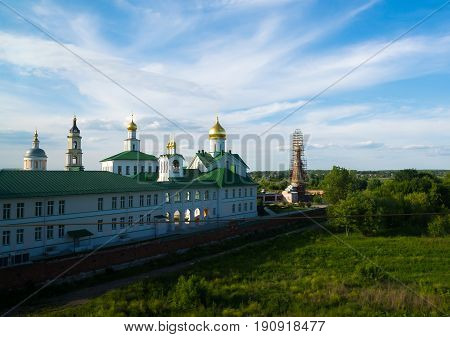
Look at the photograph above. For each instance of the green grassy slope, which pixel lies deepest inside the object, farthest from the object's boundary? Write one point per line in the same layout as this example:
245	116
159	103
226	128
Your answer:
298	275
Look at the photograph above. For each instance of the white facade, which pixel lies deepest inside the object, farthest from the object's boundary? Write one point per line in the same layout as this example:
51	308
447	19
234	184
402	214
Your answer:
48	222
130	167
122	217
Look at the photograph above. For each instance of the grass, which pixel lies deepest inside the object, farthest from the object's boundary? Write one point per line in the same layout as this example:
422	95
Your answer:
305	274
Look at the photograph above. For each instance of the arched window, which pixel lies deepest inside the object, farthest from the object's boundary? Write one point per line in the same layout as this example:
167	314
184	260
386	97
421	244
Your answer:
75	144
197	195
74	160
176	165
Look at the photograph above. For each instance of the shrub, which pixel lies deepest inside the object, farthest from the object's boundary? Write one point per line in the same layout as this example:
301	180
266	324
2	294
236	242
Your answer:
439	225
189	293
371	272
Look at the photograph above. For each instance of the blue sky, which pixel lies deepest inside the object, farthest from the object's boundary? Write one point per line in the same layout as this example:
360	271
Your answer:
253	62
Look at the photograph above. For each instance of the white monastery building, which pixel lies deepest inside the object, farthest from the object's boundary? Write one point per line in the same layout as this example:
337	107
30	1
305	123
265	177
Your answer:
136	196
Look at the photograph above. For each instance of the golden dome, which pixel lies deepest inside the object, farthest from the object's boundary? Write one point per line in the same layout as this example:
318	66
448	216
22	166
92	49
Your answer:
171	144
217	131
132	126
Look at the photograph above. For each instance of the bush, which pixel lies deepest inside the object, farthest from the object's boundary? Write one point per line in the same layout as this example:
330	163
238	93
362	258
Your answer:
371	272
439	225
189	293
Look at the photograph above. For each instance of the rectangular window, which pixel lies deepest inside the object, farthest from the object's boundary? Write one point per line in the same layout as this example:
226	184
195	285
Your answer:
251	192
226	194
114	224
130	221
100	204
188	196
240	193
245	192
119	170
233	208
142	169
19	210
62	207
38	208
38	234
6	238
155	199
251	205
234	193
135	170
148	219
239	208
122	223
6	211
19	236
50	206
206	195
114	203
149	169
61	231
99	226
141	219
149	199
245	206
177	197
197	195
130	201
167	197
141	200
122	202
49	232
127	171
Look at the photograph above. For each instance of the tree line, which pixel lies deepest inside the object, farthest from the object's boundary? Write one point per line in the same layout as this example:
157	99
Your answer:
399	205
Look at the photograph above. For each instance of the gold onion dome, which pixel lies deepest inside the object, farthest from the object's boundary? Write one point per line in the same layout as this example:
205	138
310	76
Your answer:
132	126
171	144
217	131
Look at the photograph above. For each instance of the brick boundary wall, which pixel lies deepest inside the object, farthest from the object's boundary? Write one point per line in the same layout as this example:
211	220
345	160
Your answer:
41	271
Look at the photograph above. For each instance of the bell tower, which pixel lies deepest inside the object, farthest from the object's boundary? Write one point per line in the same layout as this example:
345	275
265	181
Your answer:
74	155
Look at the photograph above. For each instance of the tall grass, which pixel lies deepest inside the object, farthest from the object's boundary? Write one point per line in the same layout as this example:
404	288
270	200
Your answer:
305	274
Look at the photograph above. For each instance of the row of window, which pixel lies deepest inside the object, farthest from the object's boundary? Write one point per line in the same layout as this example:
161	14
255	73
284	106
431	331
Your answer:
188	196
38	234
135	170
239	207
239	193
38	209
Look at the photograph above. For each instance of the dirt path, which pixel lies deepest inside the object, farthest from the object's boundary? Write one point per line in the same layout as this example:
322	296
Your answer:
84	295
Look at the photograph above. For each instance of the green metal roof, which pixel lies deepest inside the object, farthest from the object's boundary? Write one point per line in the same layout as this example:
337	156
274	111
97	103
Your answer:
131	155
27	184
209	161
79	233
223	177
18	184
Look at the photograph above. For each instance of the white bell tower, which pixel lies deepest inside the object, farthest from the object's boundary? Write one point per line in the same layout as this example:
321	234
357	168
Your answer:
74	154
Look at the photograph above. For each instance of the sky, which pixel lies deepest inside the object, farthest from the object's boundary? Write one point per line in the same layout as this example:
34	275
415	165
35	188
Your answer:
176	65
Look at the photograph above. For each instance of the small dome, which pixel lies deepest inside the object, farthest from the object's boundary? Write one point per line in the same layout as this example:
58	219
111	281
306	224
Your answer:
35	153
171	144
132	126
217	131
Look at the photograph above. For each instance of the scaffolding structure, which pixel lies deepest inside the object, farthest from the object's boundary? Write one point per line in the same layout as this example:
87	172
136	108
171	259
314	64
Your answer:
298	163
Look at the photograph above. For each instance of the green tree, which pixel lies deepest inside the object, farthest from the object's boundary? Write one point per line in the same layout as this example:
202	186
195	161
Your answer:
338	183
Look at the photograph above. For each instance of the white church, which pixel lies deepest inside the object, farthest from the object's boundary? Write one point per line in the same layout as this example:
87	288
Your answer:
134	197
